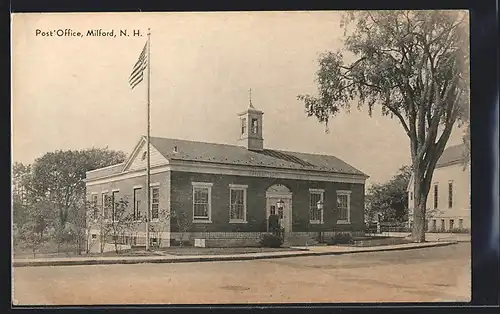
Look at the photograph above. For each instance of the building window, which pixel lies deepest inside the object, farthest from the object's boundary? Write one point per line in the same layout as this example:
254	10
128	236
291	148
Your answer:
95	208
435	196
460	224
411	196
114	199
202	202
137	203
144	155
155	202
94	236
452	222
343	205
442	224
255	126
450	194
434	225
315	214
280	213
105	205
237	202
243	126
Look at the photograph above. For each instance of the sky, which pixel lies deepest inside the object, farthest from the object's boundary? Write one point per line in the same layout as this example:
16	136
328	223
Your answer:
72	92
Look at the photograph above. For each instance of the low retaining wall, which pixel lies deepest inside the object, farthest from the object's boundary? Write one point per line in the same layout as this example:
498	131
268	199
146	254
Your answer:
380	242
243	239
431	236
219	239
229	239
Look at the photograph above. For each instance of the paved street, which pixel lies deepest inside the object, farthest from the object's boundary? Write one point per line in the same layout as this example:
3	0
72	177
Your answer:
430	274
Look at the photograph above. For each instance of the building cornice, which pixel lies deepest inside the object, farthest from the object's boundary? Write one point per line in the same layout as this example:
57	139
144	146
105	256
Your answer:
235	170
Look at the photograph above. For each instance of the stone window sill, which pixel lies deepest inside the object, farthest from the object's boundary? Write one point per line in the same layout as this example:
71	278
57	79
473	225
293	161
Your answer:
315	222
343	222
199	221
237	221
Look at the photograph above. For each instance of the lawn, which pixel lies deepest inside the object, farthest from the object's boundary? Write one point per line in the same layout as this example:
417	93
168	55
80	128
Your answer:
219	251
50	251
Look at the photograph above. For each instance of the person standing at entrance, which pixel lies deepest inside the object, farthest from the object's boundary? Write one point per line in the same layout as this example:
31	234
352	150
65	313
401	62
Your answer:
274	224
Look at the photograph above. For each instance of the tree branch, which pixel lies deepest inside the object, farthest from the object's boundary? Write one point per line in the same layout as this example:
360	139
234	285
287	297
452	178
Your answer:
401	119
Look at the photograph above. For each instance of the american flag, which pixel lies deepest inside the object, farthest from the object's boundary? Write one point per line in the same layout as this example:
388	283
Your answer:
138	71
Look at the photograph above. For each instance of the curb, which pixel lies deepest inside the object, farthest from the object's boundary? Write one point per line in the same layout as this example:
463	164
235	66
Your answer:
192	259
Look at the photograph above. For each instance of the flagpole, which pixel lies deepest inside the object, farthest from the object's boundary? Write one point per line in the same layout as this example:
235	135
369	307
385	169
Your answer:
148	170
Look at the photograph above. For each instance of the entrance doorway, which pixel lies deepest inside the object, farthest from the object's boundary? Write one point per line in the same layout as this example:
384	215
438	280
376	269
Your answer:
276	194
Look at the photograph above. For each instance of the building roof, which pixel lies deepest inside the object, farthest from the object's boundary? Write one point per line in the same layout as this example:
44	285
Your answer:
239	155
452	154
193	151
106	171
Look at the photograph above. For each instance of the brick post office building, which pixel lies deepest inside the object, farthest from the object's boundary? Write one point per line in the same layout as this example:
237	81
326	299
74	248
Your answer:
227	192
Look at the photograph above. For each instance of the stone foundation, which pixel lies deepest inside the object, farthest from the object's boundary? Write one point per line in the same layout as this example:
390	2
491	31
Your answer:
220	239
243	239
223	239
328	234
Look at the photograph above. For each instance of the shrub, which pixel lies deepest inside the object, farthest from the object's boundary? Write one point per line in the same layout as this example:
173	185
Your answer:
370	228
175	242
270	240
342	238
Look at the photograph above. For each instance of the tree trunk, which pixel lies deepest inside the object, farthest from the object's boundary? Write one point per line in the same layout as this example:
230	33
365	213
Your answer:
420	191
418	232
115	240
101	242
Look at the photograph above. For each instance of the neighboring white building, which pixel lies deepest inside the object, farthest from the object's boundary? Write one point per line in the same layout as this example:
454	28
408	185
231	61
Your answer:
448	202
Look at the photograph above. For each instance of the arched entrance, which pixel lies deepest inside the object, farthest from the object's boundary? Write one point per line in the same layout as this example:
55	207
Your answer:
277	193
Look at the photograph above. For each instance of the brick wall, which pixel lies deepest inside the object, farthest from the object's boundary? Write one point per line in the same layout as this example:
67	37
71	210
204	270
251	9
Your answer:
126	188
126	191
176	190
182	200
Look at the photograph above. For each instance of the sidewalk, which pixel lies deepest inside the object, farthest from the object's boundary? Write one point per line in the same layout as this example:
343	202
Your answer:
300	251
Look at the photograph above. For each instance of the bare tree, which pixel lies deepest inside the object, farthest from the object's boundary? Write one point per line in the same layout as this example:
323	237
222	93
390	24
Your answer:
183	224
97	220
133	230
120	221
159	225
93	216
